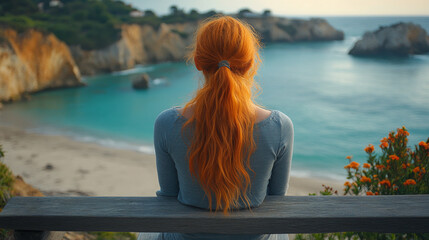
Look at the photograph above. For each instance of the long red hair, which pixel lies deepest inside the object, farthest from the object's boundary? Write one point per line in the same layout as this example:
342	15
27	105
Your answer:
223	113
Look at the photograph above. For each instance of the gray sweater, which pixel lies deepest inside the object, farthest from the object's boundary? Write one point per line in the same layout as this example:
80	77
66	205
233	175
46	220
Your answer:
270	162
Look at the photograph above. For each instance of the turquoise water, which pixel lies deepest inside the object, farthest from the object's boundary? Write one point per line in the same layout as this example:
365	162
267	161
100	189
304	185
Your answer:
338	103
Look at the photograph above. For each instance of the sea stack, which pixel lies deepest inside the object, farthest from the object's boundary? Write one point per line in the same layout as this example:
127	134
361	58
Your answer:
142	83
400	39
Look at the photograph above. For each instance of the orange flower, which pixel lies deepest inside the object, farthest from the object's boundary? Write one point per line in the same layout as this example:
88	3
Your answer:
416	170
404	166
410	182
394	157
375	176
347	184
366	165
365	179
376	193
347	166
388	161
386	182
349	157
354	165
384	145
403	132
423	144
384	140
423	170
392	137
369	193
379	167
369	148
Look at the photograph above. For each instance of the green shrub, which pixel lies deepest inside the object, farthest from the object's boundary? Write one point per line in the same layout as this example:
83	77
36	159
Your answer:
6	183
20	23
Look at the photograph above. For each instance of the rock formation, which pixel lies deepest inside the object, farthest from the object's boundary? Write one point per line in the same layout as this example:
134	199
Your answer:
31	62
146	44
138	45
275	29
142	83
398	39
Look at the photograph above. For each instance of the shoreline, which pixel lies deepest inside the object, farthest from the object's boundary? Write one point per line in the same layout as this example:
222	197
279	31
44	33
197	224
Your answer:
59	166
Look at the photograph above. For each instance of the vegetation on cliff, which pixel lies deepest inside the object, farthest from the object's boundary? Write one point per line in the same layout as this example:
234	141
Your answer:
6	183
90	24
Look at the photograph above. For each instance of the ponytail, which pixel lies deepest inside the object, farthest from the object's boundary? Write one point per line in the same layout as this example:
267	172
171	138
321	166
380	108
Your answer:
223	112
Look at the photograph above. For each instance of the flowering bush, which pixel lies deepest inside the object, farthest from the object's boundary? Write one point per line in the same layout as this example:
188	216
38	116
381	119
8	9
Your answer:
397	170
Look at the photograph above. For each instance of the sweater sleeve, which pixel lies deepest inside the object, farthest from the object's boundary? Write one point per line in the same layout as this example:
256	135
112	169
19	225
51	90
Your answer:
279	180
167	173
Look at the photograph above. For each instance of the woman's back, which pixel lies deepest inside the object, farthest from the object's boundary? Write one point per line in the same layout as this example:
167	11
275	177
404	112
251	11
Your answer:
270	163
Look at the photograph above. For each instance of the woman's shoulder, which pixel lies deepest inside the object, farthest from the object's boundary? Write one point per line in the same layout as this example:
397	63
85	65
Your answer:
167	117
277	118
283	119
278	124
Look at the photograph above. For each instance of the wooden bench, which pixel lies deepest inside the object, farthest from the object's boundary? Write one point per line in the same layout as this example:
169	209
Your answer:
40	217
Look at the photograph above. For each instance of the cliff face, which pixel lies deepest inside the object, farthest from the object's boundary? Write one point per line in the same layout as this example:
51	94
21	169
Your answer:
138	45
33	61
275	29
144	44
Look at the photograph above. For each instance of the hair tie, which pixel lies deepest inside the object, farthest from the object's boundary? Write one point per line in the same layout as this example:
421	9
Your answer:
224	63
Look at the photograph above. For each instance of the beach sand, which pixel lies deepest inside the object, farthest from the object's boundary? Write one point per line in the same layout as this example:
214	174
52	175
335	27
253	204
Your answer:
60	166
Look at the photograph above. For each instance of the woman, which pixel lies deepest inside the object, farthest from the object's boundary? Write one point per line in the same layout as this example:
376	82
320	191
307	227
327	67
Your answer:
221	151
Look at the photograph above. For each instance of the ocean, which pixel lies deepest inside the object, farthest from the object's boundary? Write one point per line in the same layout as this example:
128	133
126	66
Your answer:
338	103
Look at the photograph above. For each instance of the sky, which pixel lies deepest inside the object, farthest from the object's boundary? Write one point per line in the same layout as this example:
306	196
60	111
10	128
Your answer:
295	7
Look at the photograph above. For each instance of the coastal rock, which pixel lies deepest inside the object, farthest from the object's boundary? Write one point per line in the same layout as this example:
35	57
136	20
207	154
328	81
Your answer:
144	44
138	45
142	83
398	39
33	61
276	29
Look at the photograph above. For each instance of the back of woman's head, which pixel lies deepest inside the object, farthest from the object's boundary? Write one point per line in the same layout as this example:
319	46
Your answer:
223	112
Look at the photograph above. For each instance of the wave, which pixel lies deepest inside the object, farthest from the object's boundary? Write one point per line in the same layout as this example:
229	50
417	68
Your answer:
320	174
106	142
136	69
421	57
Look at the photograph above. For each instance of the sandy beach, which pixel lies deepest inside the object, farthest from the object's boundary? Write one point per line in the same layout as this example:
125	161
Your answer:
58	165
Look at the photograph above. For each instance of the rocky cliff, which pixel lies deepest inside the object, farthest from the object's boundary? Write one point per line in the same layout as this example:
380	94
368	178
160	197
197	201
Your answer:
398	39
138	45
275	29
31	62
169	42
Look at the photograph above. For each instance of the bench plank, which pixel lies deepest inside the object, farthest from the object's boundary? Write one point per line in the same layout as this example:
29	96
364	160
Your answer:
278	214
